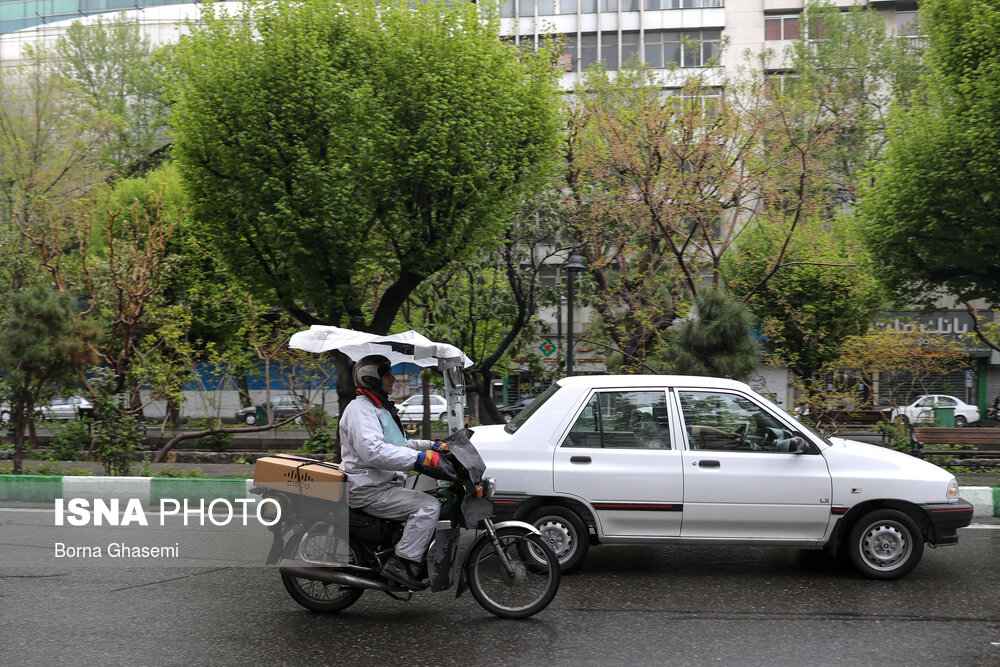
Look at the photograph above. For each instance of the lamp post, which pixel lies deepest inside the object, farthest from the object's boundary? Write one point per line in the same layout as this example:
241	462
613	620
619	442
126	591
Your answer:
573	264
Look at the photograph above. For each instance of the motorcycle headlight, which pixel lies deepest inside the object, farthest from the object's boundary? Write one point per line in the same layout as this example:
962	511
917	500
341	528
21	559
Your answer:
489	487
953	490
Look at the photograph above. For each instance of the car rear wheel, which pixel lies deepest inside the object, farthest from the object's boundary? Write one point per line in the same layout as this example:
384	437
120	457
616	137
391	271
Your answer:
960	421
442	417
885	544
564	532
250	420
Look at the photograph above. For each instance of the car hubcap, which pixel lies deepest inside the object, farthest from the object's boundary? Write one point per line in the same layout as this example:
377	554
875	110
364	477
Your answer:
885	545
557	536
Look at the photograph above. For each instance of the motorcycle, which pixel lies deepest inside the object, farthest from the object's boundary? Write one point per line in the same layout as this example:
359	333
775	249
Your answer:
993	413
508	568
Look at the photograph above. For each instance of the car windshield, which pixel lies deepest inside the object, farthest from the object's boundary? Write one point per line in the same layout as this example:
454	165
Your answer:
532	407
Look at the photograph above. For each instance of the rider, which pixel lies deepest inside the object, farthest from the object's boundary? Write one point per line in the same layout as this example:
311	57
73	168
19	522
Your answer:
374	452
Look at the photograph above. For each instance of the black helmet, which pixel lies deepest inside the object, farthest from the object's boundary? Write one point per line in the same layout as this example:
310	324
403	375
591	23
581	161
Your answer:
370	370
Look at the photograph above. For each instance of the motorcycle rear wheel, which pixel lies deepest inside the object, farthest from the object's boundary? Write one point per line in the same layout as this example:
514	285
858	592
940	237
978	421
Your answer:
533	584
323	598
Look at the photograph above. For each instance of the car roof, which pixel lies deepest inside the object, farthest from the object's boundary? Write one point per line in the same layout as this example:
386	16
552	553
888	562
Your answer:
607	381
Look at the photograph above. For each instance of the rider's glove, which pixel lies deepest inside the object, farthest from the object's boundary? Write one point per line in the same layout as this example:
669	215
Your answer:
434	465
440	446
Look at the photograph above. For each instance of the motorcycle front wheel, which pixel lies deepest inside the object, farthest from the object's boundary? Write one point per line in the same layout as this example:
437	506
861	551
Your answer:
324	598
524	591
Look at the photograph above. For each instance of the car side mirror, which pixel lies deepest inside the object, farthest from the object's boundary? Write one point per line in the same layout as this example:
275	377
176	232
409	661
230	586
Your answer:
800	445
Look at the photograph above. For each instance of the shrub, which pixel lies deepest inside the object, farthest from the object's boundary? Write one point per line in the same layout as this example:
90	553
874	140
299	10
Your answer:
70	442
320	442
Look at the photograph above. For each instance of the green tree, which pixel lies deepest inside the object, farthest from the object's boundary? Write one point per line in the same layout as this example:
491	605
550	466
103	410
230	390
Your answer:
930	215
121	80
822	292
48	158
489	306
660	184
43	347
338	154
716	341
855	69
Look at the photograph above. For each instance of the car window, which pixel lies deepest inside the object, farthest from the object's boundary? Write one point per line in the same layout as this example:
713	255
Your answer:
947	401
525	414
622	420
730	422
925	402
414	400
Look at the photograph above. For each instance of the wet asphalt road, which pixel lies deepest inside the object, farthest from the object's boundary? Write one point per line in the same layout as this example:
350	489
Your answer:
630	605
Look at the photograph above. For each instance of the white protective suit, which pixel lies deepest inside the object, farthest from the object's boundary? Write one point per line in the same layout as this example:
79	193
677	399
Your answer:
373	453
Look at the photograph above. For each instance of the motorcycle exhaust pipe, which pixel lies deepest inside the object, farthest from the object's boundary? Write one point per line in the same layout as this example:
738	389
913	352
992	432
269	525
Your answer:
339	578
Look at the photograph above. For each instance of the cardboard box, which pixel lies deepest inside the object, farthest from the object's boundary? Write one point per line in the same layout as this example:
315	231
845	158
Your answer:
301	475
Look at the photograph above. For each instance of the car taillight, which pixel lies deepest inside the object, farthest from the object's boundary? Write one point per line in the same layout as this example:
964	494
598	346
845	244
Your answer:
953	490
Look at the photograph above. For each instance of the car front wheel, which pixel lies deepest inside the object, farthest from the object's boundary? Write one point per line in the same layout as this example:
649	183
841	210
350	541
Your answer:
564	532
250	420
885	544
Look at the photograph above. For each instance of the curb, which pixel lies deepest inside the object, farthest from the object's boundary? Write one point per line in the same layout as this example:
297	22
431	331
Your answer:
46	488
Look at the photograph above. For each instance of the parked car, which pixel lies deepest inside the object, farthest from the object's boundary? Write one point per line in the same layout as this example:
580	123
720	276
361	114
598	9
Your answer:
508	412
921	411
282	406
412	409
692	460
66	408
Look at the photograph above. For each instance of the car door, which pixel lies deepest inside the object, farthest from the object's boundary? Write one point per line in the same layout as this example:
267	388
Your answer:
439	406
412	407
618	456
923	410
740	480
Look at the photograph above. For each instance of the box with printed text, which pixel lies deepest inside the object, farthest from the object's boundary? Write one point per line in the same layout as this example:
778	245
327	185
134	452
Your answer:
300	475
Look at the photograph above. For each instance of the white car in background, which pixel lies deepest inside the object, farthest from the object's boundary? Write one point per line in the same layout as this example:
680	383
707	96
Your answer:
412	409
71	407
921	411
631	459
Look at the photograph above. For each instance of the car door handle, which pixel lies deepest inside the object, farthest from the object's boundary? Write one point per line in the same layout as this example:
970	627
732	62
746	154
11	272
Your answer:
579	459
709	463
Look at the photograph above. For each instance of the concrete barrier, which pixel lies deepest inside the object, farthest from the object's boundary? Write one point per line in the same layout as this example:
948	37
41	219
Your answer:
149	490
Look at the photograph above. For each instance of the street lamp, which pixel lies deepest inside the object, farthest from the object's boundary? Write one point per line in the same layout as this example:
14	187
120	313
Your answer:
573	264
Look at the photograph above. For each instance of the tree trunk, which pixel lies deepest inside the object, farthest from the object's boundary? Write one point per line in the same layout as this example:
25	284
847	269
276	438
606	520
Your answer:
173	412
18	443
243	388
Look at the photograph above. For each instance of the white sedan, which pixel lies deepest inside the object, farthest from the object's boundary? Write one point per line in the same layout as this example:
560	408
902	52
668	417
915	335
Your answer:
66	408
921	411
412	409
632	459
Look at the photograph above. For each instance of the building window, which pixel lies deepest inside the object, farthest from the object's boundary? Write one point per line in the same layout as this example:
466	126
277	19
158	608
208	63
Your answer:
691	48
906	24
664	48
781	27
681	4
